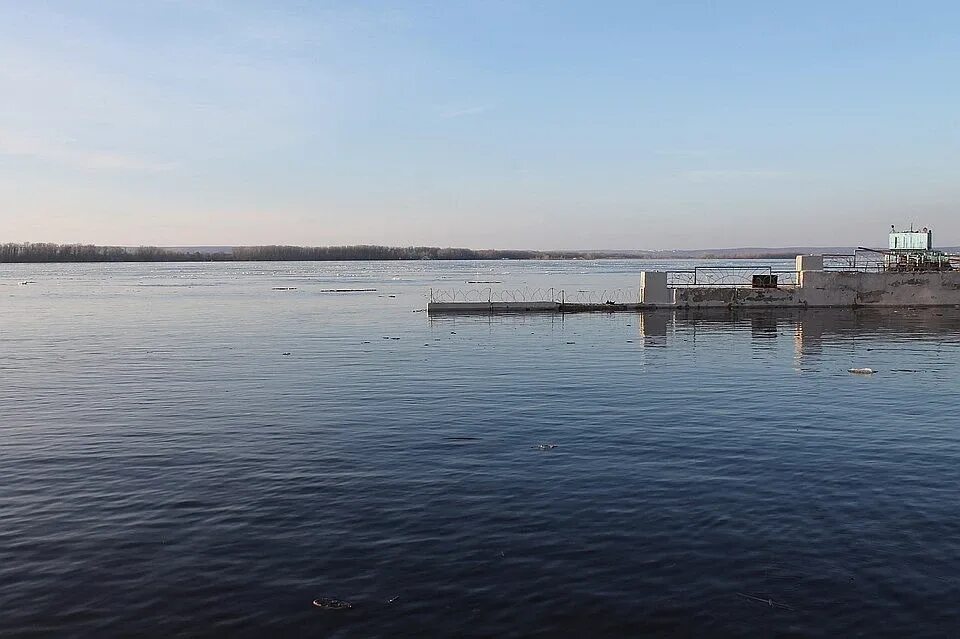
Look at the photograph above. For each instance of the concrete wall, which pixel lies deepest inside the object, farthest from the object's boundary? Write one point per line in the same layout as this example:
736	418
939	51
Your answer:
826	289
823	288
809	263
654	290
704	297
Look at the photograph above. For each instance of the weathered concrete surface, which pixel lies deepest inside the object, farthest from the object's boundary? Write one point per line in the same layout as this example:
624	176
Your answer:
825	289
703	297
809	263
654	289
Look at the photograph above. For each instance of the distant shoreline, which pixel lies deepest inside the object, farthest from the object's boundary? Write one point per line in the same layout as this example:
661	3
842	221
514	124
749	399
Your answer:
45	253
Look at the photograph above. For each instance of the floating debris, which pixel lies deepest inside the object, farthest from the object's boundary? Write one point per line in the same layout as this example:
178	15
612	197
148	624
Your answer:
285	354
768	601
348	290
862	371
326	603
461	438
545	446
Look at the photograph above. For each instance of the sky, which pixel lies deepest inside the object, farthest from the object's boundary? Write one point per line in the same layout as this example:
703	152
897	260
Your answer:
486	124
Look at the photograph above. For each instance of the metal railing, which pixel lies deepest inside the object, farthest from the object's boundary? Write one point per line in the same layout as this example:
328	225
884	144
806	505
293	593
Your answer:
859	261
864	261
728	276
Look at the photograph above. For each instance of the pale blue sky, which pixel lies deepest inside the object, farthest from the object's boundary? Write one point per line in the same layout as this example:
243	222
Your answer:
484	124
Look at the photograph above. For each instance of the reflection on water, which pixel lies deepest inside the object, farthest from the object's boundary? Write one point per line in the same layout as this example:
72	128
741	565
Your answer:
654	326
206	456
809	329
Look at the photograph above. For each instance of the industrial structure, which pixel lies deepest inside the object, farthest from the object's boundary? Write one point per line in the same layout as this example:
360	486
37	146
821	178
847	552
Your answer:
913	251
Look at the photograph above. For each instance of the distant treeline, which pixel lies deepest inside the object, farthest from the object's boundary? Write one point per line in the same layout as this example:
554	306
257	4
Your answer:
345	253
43	252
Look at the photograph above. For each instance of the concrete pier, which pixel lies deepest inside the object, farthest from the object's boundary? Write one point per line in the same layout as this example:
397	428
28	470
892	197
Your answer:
815	288
493	307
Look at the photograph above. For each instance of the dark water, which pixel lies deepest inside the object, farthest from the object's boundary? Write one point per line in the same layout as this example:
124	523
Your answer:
168	470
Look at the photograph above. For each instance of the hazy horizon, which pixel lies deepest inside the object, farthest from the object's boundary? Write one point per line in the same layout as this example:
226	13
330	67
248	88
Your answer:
601	250
632	126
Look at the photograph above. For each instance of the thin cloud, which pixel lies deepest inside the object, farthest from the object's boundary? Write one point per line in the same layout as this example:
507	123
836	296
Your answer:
685	153
730	175
63	153
462	113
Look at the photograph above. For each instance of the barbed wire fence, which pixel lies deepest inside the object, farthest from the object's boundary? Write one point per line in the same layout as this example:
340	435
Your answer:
561	296
490	294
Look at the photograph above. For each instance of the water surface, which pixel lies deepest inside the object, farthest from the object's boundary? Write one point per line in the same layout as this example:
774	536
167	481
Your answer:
189	451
